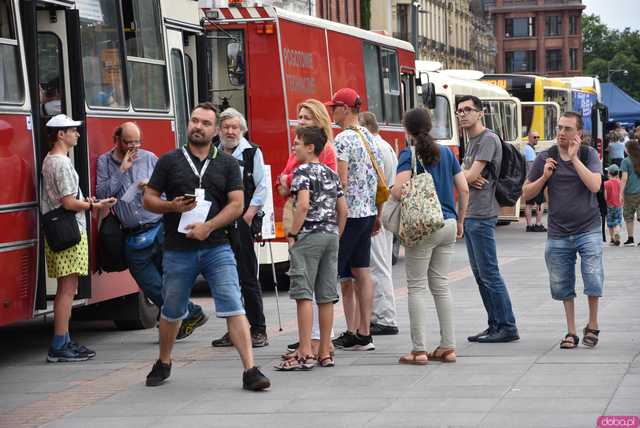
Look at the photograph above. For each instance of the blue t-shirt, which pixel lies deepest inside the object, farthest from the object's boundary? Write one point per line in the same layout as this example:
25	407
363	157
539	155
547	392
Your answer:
442	173
616	150
529	153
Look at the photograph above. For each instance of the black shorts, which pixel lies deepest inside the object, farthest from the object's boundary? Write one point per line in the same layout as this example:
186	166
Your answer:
537	200
355	245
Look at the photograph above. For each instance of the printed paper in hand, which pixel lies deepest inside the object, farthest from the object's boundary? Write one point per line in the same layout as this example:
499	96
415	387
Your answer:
196	215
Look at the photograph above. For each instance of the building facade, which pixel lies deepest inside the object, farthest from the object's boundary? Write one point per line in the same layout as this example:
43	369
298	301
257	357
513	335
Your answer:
538	36
449	31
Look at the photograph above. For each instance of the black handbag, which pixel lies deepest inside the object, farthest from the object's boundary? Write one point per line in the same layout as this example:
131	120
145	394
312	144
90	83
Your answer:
61	229
111	242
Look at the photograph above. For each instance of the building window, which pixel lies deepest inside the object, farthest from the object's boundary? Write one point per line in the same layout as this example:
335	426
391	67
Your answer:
573	58
573	25
402	22
520	61
11	83
553	25
520	27
554	60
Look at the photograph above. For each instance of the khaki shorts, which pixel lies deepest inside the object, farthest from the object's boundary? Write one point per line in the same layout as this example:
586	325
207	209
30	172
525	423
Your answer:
631	207
314	268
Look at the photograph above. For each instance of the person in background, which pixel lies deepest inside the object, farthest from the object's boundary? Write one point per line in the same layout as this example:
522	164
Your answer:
126	165
383	318
538	200
630	195
616	147
61	187
612	189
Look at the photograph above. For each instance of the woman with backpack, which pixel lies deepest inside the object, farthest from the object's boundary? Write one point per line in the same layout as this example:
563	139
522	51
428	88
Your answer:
427	262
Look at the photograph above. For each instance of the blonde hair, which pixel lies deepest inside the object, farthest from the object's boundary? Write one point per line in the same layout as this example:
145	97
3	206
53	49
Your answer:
320	115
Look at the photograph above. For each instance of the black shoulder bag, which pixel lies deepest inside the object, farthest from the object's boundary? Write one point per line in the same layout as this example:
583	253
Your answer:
61	228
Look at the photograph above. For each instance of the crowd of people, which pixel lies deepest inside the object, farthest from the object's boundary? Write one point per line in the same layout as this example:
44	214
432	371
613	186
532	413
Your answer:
197	210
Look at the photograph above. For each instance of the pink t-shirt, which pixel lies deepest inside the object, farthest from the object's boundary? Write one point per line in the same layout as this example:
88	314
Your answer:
327	157
612	192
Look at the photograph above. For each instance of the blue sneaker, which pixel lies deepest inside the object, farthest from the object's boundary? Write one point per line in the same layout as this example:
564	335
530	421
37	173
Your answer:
83	350
66	354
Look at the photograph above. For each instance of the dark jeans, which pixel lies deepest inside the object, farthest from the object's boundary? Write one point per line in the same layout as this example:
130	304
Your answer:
481	248
146	268
247	261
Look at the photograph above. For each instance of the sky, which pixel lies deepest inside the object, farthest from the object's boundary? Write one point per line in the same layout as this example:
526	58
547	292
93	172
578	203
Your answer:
617	14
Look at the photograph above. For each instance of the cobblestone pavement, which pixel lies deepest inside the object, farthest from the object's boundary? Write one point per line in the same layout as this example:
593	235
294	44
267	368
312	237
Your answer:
528	383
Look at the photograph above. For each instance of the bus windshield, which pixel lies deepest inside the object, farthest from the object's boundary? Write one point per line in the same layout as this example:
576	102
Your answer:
441	119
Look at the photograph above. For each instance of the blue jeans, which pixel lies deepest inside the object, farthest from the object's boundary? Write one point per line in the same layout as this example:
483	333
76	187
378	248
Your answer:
560	255
146	268
480	236
217	264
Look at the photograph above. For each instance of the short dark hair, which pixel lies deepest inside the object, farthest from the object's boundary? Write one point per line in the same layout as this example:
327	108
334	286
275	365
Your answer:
576	116
206	105
476	101
312	135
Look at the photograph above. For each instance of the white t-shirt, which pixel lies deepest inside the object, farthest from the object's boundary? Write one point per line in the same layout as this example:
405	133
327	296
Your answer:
389	160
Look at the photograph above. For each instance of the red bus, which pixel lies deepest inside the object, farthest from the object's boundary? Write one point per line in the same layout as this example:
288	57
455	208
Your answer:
265	60
103	62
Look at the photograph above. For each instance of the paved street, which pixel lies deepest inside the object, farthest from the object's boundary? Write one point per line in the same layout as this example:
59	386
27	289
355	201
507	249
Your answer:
528	383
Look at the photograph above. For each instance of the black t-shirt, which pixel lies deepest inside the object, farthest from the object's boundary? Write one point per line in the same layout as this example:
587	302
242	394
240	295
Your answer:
174	177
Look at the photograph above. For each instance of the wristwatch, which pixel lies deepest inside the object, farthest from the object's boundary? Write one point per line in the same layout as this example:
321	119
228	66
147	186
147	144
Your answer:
294	236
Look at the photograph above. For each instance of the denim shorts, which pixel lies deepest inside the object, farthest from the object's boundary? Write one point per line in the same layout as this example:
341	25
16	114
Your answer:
217	264
561	254
355	245
614	216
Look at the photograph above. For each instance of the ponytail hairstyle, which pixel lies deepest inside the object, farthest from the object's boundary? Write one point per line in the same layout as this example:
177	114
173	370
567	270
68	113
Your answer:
633	149
417	123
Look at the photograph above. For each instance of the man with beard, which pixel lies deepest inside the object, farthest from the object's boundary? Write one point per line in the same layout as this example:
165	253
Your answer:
125	165
204	195
232	128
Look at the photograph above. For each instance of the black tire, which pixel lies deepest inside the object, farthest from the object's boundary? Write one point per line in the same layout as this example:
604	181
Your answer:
142	313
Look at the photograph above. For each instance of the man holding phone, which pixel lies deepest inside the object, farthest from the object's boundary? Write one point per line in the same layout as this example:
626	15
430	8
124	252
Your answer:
201	246
125	169
571	173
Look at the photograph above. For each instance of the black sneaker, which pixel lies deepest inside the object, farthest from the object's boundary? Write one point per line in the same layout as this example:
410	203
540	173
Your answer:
360	343
539	228
293	347
254	380
259	339
223	342
486	332
629	242
66	354
83	350
531	228
345	339
189	325
376	329
159	373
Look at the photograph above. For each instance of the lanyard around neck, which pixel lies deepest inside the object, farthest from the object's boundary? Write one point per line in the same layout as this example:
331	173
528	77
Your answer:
204	167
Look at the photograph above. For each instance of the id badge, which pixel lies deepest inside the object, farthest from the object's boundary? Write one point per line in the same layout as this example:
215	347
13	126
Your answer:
199	194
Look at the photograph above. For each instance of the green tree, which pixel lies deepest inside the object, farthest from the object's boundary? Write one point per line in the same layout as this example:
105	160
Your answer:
607	49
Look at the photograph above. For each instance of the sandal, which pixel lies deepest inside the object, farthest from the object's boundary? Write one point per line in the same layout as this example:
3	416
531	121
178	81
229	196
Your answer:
590	336
447	356
327	361
414	359
570	341
291	364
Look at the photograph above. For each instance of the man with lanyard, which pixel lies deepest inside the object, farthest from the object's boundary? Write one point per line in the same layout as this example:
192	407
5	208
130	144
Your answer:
204	195
123	172
232	126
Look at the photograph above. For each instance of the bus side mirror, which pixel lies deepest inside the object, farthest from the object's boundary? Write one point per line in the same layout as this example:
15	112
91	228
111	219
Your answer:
429	95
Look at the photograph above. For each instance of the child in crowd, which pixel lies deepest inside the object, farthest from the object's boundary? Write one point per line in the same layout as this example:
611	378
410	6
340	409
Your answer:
320	214
614	206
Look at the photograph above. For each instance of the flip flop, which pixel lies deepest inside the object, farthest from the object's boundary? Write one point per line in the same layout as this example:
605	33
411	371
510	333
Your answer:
413	360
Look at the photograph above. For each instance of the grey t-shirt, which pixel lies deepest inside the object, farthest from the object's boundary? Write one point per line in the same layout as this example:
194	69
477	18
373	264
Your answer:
60	179
573	208
484	147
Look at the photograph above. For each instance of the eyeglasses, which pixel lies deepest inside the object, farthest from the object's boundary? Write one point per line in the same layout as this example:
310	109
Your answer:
535	137
465	110
565	128
132	143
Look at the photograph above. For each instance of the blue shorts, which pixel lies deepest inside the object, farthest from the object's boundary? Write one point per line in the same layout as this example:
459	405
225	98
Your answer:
355	245
218	266
561	254
614	216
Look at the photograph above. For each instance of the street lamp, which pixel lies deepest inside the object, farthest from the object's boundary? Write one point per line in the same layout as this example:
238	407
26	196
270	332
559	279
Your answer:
611	72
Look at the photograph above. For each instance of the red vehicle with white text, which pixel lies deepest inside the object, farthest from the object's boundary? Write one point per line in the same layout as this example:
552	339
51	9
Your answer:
265	60
103	62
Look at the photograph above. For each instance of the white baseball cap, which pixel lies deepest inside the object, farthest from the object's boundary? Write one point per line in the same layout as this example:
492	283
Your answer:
62	121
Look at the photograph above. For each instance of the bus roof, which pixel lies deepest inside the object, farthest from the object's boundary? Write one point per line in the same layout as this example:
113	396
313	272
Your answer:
444	82
245	14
